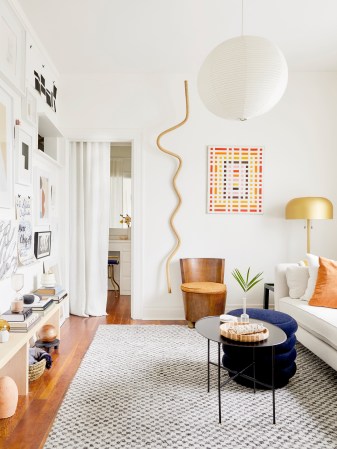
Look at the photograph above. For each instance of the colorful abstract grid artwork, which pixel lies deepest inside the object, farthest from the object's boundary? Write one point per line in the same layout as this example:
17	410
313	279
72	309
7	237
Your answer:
235	180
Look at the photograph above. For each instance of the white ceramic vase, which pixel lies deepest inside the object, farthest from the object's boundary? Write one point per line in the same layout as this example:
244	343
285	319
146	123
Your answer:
4	336
244	317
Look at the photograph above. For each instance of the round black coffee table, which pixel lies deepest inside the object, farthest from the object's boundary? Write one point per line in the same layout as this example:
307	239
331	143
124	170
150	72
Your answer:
209	327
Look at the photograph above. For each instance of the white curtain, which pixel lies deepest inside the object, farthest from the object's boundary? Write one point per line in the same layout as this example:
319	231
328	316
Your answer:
89	227
116	192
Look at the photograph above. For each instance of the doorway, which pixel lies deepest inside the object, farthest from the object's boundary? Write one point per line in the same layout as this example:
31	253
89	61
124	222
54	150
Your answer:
120	222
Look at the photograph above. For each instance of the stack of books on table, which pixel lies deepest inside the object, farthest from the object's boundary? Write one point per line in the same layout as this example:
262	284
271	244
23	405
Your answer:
21	321
57	293
41	306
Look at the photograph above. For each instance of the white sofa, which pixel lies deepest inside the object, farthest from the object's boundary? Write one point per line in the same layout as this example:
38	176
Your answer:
317	326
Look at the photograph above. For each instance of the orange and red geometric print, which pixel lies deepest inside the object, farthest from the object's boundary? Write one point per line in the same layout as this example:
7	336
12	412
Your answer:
235	180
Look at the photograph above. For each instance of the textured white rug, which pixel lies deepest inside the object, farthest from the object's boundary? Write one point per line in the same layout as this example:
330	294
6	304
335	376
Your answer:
145	387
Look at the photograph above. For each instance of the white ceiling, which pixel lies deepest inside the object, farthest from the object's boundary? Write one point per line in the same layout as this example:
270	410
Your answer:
162	36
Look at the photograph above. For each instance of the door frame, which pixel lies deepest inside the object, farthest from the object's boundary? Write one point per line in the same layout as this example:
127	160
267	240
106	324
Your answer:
135	138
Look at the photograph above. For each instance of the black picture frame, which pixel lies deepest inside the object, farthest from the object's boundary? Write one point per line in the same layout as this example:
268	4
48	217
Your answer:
42	244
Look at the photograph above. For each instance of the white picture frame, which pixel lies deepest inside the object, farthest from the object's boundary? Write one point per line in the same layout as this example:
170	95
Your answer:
6	150
12	48
29	108
24	146
42	196
8	248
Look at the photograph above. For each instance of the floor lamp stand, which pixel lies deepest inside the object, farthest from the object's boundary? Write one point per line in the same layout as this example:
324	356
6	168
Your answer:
308	234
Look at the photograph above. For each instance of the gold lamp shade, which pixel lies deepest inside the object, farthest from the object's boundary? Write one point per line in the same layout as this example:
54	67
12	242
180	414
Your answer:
309	208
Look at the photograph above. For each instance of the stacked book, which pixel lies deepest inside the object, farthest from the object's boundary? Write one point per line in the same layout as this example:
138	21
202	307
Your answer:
21	321
42	305
56	294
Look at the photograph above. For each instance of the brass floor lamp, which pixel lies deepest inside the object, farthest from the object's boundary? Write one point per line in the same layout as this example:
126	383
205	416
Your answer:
309	208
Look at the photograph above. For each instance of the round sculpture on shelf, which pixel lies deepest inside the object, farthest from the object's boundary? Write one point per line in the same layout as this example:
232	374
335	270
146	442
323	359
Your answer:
47	333
243	77
8	397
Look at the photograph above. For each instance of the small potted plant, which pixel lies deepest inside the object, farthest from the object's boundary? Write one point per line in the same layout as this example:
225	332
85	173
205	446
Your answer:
246	284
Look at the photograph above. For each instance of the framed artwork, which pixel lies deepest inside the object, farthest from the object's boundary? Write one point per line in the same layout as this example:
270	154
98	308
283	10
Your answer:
235	180
25	229
6	146
42	244
42	192
12	48
25	141
29	108
8	248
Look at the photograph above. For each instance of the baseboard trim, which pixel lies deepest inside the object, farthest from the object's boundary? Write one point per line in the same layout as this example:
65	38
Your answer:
177	313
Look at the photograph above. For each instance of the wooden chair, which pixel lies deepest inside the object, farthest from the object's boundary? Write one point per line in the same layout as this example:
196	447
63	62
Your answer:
204	292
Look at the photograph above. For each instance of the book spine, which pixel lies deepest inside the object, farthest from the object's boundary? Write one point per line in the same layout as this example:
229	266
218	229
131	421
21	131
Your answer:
14	317
49	291
24	324
56	297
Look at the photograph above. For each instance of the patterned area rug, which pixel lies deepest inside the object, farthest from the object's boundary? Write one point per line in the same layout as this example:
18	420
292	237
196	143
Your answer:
146	387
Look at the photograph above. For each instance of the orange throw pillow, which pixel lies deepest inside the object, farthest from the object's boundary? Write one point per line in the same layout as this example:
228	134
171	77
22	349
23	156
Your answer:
325	294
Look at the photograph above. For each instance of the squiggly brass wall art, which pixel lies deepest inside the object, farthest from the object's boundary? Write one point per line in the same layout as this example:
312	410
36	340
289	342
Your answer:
180	162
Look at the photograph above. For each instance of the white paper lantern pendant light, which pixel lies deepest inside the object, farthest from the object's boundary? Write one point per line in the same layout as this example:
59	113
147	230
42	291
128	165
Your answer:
243	77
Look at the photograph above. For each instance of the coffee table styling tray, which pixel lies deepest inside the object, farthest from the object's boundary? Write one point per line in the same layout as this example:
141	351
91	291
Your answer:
251	332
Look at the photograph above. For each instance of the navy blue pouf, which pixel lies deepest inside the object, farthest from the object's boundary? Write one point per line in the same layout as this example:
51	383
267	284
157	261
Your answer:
285	354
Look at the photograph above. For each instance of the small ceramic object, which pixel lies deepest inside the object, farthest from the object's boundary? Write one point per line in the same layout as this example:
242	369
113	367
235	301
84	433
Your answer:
4	336
8	397
17	306
28	299
4	331
47	333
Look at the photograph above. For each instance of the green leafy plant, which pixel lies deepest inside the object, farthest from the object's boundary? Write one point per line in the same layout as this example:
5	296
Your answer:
246	283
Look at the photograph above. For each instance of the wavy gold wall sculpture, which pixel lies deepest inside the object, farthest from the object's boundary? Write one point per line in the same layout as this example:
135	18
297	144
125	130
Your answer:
180	162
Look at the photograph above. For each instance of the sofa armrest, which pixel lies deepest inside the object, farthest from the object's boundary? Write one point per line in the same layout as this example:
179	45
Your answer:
281	288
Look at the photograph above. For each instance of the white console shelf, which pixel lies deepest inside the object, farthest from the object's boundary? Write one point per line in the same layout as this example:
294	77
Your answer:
14	354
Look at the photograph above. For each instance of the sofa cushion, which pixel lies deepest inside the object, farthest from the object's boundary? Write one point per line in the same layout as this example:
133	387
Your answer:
297	280
325	294
319	321
313	263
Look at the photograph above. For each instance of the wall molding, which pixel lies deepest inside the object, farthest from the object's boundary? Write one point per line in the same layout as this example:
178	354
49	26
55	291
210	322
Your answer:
177	313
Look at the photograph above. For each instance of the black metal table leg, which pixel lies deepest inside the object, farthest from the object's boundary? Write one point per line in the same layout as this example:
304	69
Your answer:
208	344
254	370
219	392
267	287
273	380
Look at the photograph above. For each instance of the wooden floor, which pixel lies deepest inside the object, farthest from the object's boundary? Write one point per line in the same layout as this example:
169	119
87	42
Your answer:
29	427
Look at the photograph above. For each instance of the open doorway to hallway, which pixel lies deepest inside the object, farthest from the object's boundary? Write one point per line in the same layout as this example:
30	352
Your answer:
120	221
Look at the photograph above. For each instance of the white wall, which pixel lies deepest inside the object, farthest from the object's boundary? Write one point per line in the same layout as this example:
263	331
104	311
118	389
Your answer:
34	58
299	137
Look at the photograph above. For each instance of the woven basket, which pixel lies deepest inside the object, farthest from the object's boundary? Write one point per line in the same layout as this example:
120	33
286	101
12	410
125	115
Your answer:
36	370
226	330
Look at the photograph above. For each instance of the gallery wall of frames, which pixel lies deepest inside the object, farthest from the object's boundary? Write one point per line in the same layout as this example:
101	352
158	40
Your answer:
32	159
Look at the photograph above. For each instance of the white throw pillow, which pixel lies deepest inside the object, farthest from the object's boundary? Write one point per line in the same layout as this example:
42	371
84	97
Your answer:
313	262
297	280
